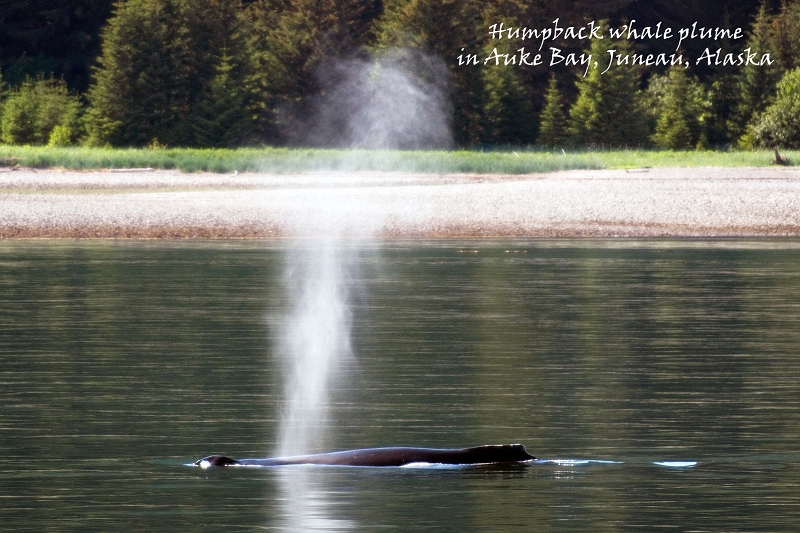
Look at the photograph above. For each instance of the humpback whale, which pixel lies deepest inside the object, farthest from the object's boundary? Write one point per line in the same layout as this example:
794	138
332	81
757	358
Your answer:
383	457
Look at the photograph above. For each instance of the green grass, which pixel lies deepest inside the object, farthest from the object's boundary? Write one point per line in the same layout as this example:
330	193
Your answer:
286	160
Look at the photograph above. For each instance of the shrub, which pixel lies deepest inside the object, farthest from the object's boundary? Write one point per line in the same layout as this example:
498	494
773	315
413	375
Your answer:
60	136
32	111
779	125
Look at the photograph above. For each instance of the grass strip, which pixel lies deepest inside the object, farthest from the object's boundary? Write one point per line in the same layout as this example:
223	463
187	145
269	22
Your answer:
295	160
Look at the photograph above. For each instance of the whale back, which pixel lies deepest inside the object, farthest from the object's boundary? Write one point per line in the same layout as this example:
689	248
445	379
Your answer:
504	453
394	456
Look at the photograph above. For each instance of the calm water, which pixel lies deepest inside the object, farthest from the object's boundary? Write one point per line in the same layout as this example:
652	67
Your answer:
121	362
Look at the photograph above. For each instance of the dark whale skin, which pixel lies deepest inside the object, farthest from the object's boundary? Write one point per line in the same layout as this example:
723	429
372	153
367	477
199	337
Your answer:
385	457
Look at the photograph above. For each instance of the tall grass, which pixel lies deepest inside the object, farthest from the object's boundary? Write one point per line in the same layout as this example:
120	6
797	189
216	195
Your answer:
286	160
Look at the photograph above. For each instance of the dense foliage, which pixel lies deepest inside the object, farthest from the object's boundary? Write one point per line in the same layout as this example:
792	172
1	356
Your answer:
221	73
167	73
681	111
779	125
605	113
40	112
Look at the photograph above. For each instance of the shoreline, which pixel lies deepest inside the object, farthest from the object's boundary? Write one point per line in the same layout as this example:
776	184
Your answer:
658	202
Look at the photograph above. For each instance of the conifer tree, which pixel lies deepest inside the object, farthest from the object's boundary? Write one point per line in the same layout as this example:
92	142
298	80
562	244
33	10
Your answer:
724	103
139	92
508	109
159	58
673	129
755	84
785	35
292	46
220	117
508	114
606	113
682	113
553	121
446	29
722	99
221	111
283	55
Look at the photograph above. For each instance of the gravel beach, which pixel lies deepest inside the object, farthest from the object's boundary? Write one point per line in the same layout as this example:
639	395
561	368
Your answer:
597	203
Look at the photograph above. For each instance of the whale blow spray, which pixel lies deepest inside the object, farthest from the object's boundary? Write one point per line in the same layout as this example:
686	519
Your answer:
397	99
393	100
315	340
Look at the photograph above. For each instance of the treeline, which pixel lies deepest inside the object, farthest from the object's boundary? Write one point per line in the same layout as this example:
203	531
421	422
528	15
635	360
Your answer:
755	105
232	73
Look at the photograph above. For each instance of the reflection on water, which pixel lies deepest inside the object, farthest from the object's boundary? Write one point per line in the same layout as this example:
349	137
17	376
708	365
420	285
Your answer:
622	361
677	464
305	502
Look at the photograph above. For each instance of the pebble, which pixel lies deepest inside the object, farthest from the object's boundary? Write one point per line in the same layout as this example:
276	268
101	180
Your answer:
678	202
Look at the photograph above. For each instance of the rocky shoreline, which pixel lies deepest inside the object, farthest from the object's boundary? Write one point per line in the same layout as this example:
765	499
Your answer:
662	202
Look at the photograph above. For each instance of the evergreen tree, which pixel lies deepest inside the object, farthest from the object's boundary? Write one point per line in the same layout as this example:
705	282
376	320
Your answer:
141	89
683	112
755	84
785	35
221	111
508	114
220	117
722	99
508	109
672	129
159	58
292	46
606	113
724	105
553	121
651	99
282	54
447	29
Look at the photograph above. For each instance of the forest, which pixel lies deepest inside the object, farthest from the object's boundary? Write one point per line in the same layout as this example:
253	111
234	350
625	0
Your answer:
401	74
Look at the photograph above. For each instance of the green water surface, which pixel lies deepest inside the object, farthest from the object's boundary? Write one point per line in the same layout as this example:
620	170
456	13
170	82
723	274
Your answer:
122	362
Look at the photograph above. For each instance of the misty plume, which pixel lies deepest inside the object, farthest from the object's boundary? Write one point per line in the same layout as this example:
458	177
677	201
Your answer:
396	99
314	340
